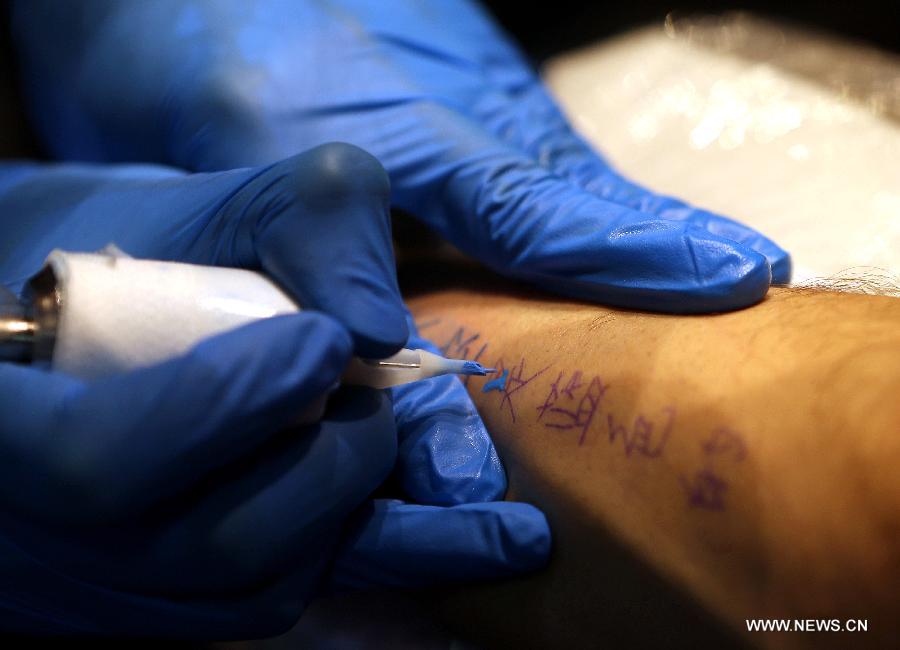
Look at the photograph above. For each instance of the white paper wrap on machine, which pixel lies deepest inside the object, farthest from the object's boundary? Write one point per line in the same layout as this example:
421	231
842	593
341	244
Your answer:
118	312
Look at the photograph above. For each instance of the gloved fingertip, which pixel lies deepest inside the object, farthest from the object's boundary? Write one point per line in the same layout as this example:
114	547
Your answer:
396	544
377	326
728	275
526	536
781	264
319	224
779	259
349	189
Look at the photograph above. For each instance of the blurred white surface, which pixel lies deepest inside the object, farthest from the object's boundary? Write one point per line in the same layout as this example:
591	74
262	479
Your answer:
814	169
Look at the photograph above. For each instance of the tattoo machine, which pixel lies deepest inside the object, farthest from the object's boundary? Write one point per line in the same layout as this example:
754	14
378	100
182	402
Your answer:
94	314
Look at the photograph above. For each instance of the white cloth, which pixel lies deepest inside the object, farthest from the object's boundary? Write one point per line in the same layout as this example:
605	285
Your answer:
813	170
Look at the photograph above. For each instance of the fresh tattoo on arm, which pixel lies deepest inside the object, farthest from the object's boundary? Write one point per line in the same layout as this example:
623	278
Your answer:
573	401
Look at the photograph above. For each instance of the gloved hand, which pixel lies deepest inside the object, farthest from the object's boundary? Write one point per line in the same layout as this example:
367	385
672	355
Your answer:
473	143
179	499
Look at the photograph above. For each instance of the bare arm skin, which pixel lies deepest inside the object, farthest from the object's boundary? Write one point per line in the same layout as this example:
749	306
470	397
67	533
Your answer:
745	465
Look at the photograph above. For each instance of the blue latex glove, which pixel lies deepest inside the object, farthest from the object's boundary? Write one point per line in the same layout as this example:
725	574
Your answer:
445	458
178	500
473	144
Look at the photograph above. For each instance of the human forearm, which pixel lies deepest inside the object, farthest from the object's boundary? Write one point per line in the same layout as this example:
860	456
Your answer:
749	458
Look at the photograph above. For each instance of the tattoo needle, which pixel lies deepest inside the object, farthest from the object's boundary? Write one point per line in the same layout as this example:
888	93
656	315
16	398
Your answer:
406	366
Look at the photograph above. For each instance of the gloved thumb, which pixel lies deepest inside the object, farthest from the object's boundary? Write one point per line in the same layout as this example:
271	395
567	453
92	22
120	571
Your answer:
319	224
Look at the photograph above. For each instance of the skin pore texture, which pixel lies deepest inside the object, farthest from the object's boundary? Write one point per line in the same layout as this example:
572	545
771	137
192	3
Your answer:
697	471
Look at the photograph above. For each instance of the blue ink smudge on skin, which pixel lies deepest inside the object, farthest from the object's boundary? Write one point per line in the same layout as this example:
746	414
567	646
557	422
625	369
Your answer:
473	368
496	384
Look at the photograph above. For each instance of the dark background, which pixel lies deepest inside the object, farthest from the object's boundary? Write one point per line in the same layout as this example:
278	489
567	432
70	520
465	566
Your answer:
546	28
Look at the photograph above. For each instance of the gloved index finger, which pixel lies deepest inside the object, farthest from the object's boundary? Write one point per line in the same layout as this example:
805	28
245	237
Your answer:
532	121
395	544
109	448
279	515
498	204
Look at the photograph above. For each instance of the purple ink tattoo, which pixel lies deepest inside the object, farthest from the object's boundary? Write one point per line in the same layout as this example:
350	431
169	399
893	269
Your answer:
424	325
705	490
708	487
725	442
579	417
642	437
516	380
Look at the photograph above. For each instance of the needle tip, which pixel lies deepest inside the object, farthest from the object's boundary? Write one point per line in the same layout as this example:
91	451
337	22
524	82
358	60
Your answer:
474	368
